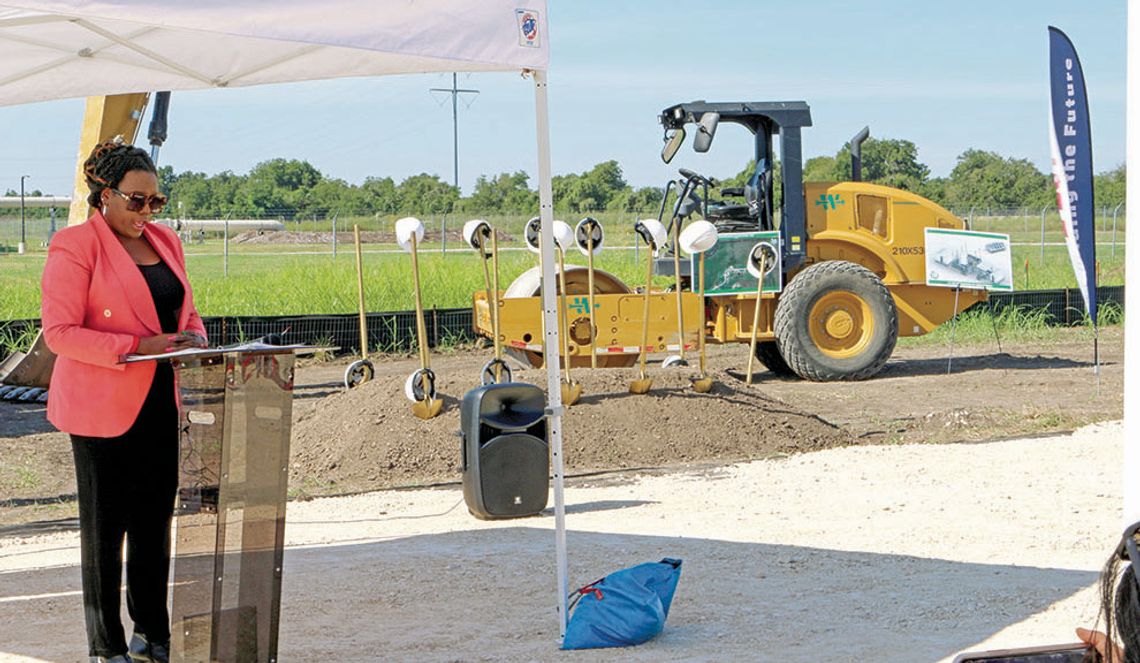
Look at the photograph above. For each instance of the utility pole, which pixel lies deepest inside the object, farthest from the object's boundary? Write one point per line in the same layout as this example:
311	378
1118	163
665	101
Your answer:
23	246
454	91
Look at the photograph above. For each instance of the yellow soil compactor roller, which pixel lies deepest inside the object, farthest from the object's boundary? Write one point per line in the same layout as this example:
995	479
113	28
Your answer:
843	265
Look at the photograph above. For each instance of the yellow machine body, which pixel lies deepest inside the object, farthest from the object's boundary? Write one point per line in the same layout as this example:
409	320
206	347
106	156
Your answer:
618	319
103	119
878	227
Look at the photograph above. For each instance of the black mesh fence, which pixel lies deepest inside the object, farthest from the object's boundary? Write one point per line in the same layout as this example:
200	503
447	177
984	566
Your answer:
387	332
1064	306
396	332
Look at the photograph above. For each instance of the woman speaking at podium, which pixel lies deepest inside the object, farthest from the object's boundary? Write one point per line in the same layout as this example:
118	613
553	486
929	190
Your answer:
112	286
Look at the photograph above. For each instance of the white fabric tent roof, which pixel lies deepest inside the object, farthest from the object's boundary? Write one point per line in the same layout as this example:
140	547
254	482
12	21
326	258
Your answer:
71	48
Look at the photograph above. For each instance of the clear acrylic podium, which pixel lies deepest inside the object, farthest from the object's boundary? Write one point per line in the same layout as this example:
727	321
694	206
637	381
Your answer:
235	416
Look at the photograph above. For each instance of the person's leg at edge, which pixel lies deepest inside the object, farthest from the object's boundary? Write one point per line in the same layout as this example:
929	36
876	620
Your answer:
153	464
102	525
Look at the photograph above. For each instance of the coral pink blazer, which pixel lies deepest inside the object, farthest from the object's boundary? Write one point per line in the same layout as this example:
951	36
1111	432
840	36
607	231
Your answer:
96	307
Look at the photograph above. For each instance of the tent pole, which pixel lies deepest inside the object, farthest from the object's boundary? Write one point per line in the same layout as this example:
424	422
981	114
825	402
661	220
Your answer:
1132	275
551	342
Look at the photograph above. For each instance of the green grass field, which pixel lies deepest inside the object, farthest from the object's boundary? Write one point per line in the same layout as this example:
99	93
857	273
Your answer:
1013	324
265	284
305	280
291	279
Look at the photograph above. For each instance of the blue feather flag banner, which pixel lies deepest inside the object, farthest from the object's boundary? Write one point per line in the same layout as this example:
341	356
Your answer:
1071	148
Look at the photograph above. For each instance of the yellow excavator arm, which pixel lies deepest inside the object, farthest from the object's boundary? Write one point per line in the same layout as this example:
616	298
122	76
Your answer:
103	119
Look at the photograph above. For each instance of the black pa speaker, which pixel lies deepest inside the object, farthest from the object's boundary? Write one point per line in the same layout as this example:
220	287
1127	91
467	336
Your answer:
506	455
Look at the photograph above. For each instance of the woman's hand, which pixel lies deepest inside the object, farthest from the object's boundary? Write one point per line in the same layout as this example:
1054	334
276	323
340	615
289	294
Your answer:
193	339
153	345
1099	641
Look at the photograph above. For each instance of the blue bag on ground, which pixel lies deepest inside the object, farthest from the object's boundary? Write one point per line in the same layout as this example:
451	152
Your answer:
625	608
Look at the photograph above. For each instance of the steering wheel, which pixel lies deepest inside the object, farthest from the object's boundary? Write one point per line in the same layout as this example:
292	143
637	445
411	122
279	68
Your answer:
691	201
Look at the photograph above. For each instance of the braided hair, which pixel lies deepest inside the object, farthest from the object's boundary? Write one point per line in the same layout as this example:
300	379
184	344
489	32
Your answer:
107	165
1120	606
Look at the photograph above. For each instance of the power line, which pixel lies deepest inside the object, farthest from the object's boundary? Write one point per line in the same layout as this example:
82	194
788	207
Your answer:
455	91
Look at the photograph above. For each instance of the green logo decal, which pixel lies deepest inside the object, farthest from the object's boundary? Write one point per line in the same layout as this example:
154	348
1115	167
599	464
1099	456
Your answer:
580	305
829	201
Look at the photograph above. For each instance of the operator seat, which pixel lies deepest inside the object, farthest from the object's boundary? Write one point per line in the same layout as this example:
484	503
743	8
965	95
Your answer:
756	194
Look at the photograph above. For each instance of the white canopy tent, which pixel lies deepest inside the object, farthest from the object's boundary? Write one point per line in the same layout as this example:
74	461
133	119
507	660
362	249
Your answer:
75	48
1131	478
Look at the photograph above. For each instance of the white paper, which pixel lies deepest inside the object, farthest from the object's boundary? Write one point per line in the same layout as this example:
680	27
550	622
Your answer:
255	346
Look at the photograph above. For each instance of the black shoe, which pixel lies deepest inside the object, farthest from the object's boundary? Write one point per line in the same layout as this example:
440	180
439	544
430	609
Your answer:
121	658
144	651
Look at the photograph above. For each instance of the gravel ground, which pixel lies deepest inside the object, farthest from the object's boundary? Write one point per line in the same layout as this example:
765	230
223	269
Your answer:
884	553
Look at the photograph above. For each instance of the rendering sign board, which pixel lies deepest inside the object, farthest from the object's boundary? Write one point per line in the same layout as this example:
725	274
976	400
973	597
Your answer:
968	259
726	264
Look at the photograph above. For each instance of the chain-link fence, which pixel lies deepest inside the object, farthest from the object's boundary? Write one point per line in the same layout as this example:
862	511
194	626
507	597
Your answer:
34	230
332	232
442	232
1041	226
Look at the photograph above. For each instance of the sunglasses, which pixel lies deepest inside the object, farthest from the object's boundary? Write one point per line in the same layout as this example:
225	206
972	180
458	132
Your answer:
137	201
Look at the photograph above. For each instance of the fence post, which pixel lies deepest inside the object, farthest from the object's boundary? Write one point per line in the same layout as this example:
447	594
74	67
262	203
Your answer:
1025	218
442	240
335	214
226	245
970	223
1043	210
1114	212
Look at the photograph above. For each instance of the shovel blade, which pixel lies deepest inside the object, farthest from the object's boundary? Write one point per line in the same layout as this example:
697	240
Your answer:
571	393
427	409
640	386
703	385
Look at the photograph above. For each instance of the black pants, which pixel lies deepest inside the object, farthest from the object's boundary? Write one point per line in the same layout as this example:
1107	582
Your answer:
126	488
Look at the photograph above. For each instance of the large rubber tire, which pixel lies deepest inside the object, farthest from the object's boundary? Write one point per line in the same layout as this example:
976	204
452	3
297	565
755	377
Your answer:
769	354
836	321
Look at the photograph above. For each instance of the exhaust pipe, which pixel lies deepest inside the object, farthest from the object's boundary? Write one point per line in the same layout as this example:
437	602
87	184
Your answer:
857	153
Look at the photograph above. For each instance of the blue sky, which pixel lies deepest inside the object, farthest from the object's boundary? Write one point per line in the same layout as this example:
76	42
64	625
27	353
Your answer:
948	76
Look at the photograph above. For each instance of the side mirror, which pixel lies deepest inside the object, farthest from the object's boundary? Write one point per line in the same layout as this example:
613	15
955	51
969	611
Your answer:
673	140
705	132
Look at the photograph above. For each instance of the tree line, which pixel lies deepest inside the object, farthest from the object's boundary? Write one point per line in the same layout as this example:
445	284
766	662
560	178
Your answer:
293	189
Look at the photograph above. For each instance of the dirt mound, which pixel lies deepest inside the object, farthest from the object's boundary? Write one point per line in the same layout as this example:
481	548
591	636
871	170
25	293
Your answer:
368	438
345	237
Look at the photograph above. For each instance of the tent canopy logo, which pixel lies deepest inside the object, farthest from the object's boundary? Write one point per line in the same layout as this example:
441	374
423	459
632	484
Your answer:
528	27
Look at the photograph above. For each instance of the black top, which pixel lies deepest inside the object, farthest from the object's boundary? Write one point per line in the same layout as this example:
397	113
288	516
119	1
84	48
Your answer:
167	292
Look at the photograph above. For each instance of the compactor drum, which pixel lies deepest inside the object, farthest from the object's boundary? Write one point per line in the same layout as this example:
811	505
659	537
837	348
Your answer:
618	318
